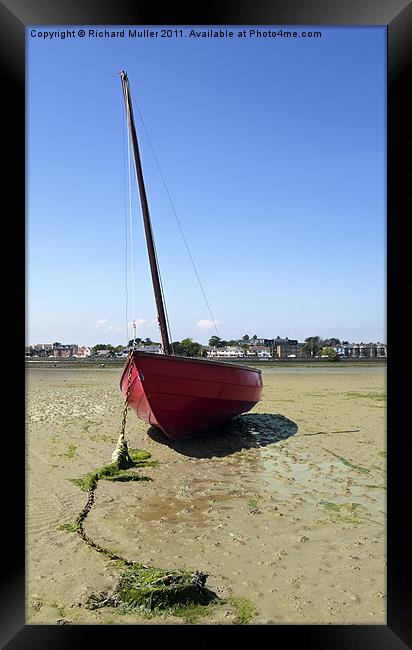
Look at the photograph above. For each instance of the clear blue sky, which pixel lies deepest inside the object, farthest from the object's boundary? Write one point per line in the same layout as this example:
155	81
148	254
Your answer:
273	151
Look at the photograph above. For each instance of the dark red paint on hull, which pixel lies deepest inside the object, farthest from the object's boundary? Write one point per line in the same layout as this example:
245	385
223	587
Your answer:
184	397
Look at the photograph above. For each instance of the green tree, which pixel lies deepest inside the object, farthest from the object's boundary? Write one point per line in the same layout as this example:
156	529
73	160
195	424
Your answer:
312	346
331	353
138	342
190	348
102	346
332	342
246	338
215	341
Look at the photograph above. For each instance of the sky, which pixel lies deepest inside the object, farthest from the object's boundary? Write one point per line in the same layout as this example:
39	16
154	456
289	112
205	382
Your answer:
273	151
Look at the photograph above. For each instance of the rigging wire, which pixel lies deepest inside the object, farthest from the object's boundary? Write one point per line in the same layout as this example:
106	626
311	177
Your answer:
175	214
164	301
125	229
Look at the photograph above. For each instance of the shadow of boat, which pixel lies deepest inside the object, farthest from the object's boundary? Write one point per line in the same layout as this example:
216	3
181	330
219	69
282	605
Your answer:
247	431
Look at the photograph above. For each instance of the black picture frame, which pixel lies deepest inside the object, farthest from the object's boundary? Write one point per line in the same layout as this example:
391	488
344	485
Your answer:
15	15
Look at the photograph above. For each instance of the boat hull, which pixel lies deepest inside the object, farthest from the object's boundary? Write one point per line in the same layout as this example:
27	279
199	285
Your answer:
184	397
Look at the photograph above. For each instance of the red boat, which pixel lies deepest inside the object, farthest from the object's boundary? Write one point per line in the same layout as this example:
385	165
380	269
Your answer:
181	396
184	396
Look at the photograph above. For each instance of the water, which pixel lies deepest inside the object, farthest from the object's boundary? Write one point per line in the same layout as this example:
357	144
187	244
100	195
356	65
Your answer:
324	482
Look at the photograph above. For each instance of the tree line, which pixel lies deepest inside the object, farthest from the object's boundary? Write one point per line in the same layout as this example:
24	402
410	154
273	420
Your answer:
312	346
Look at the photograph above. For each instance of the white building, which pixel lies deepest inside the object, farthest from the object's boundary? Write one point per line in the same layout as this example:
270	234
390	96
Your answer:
264	354
230	351
156	348
362	350
83	352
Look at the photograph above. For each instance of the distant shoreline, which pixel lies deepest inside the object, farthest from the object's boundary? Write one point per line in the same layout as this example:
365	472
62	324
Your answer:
119	363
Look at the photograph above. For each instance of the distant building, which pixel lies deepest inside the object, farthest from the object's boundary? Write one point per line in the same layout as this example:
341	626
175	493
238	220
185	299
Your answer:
122	354
228	351
284	348
279	341
61	350
155	348
276	347
104	353
362	350
265	342
264	353
261	351
83	352
42	349
235	351
51	350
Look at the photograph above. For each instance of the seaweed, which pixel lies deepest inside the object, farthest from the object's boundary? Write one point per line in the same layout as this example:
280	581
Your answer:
374	396
116	472
146	589
244	609
151	588
140	588
344	461
350	511
149	591
253	506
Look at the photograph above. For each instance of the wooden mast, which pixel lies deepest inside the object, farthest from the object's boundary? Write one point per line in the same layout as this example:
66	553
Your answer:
146	218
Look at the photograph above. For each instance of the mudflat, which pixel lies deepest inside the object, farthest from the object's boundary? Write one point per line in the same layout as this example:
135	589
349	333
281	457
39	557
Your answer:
283	508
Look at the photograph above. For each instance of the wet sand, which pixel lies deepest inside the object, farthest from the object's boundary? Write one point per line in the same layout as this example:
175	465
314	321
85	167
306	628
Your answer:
286	507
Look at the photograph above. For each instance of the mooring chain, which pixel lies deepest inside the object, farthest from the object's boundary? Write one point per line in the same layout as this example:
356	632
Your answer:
119	455
126	399
80	530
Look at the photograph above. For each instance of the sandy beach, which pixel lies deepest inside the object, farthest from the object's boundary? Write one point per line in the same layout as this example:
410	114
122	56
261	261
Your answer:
285	508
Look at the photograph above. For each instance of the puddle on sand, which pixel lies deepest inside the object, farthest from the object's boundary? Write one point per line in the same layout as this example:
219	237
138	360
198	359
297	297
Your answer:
194	510
326	481
198	498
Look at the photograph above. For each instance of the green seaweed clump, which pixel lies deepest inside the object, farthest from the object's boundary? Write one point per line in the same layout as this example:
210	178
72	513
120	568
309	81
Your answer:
347	463
375	396
71	528
70	451
253	506
151	588
244	609
113	471
147	588
345	512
